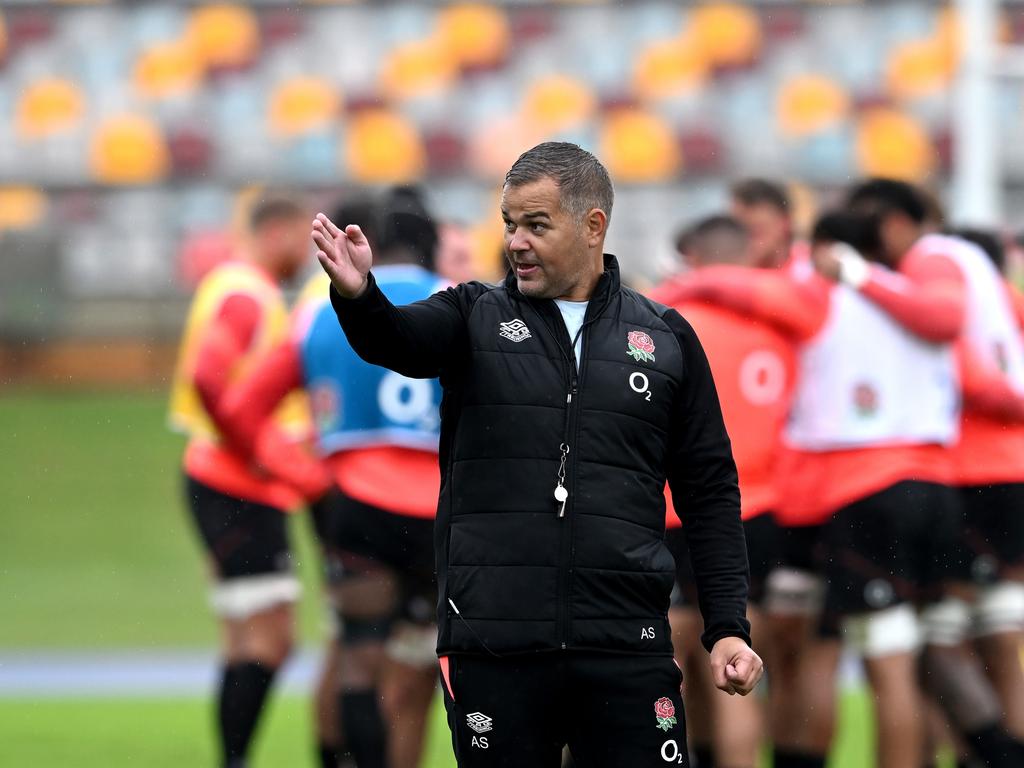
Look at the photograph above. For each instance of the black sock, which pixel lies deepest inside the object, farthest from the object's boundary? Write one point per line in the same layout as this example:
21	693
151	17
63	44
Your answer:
364	728
785	758
996	747
704	756
330	755
243	690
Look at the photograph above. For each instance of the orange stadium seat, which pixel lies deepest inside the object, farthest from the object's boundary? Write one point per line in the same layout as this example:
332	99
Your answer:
128	149
809	104
302	105
559	102
893	144
49	106
382	147
3	38
418	68
225	36
476	34
168	69
499	143
670	68
920	68
639	147
729	33
21	207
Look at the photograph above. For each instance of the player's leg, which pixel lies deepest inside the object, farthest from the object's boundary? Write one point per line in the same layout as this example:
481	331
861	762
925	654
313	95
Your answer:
367	596
995	536
685	620
329	729
508	712
877	547
330	737
411	670
625	711
253	596
739	720
801	664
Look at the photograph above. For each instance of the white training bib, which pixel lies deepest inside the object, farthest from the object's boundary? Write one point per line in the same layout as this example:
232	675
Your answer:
865	381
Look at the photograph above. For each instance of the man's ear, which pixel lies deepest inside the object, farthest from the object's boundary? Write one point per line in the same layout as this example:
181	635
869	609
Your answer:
596	224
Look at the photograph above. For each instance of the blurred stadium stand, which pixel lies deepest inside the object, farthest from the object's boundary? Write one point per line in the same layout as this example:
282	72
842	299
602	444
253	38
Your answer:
133	131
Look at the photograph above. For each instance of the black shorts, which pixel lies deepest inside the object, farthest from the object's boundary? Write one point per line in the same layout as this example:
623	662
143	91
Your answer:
359	540
611	710
763	547
896	546
802	548
243	538
993	536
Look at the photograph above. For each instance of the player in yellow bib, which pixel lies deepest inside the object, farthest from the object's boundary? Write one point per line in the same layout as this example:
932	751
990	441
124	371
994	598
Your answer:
237	315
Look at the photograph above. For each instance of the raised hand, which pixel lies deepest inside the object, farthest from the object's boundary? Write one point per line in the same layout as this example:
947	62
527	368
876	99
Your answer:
344	254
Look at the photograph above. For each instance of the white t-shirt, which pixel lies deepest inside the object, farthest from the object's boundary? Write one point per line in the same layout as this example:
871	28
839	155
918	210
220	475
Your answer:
572	314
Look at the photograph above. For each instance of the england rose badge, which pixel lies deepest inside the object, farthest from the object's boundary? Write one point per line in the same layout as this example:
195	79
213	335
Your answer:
665	711
640	346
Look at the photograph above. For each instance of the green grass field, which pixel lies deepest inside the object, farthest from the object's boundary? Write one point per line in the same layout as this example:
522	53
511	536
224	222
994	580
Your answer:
97	553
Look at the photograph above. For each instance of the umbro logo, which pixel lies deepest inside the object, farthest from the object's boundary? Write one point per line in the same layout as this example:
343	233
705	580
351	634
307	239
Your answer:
515	330
479	722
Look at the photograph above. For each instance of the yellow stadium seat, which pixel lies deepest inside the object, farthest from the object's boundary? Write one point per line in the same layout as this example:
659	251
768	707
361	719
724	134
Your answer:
21	207
639	147
382	147
557	102
128	149
418	68
670	68
729	33
168	69
920	68
476	34
49	106
225	36
809	104
301	105
893	144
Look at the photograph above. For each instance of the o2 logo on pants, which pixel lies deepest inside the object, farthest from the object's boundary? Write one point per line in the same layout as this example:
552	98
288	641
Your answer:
407	401
671	753
640	384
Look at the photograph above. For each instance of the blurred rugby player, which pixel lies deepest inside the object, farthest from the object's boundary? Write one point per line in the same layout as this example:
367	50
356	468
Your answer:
238	314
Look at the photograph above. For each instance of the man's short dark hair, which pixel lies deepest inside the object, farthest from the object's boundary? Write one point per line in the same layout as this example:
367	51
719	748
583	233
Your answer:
361	209
855	229
761	192
718	238
275	207
582	180
884	196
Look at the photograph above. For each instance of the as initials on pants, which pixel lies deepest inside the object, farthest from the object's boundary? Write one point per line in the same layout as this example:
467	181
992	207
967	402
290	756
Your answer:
480	741
647	633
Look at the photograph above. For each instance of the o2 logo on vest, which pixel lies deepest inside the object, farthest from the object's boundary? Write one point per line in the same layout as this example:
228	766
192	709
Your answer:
640	384
407	401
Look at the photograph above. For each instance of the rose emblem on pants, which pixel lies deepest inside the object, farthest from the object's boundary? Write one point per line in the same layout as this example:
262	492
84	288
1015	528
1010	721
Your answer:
665	711
640	346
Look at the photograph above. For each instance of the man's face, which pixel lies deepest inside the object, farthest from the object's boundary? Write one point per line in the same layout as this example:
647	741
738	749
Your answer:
285	242
545	246
770	232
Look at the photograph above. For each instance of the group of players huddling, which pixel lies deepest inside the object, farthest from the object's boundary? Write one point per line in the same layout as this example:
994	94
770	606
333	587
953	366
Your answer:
872	380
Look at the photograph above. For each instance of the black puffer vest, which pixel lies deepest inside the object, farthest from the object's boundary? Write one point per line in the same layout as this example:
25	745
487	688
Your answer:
516	572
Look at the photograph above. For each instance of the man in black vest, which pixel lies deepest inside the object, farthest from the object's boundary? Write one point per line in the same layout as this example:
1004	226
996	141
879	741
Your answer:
569	400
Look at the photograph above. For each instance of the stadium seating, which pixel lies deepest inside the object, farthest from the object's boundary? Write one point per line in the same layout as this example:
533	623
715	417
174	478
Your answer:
679	98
